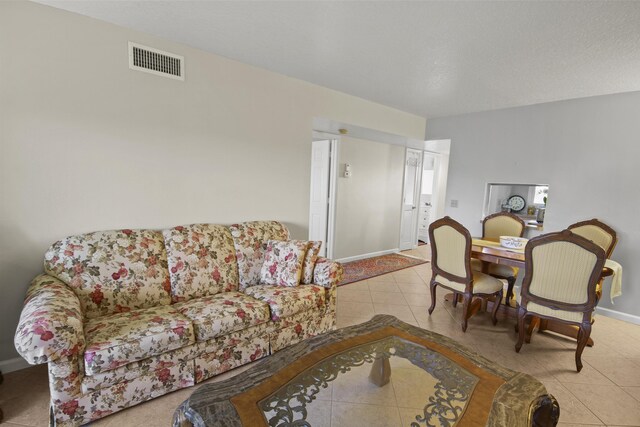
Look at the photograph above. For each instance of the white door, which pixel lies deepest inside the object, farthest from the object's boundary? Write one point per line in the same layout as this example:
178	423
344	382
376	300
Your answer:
319	201
410	199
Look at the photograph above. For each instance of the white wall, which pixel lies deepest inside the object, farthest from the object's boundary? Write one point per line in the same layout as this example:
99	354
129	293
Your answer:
587	150
87	144
368	203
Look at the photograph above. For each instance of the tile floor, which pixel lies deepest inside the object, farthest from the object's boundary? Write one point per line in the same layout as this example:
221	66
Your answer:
606	392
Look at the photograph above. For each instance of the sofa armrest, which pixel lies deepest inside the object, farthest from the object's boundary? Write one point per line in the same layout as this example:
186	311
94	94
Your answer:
327	273
50	324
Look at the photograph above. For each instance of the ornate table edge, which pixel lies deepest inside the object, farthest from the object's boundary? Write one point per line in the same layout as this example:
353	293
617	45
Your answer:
542	411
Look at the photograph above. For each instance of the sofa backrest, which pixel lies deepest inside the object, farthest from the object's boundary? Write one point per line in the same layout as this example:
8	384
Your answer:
112	271
201	259
250	241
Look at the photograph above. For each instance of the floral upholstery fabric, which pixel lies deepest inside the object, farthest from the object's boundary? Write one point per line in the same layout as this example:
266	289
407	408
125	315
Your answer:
284	337
112	271
82	409
202	261
223	313
142	367
327	273
101	318
65	378
50	325
310	262
250	241
283	262
222	341
123	338
238	352
287	301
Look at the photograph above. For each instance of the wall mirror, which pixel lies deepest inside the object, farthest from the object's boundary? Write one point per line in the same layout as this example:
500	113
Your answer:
528	201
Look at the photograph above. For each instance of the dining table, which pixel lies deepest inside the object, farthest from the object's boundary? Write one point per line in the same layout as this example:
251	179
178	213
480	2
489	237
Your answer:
490	251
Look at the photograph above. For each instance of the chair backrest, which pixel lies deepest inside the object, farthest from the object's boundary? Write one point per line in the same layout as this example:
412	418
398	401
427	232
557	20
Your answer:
450	250
597	232
562	270
502	224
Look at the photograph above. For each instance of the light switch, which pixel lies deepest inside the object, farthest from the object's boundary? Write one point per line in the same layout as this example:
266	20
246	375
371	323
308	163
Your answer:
454	203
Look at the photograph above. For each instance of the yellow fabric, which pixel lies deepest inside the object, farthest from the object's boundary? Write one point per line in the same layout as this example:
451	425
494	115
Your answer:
596	234
616	280
502	226
450	245
495	269
561	272
482	284
502	270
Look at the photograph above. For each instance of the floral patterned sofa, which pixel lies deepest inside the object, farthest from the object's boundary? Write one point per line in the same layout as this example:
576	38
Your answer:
125	316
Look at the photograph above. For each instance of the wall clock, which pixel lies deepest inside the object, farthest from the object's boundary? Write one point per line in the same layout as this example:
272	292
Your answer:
516	203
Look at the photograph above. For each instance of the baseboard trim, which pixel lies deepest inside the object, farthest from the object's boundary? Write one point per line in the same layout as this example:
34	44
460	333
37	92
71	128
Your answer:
369	255
14	364
618	315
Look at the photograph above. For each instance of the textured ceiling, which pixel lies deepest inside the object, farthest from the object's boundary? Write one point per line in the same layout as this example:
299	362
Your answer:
433	59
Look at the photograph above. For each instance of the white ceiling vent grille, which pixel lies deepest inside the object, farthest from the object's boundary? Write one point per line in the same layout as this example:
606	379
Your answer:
154	61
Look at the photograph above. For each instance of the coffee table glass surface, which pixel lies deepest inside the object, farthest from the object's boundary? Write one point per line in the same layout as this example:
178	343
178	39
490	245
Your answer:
383	372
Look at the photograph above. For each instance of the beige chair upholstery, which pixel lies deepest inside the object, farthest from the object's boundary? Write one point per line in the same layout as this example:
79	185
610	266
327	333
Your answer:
494	226
502	224
562	270
599	233
451	268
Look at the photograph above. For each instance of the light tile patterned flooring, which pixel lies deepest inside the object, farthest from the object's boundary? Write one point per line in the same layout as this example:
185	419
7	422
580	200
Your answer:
606	392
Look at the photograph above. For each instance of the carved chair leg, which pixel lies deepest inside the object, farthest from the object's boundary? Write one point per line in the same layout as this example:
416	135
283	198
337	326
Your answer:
467	298
432	286
535	323
583	337
455	298
510	282
521	317
496	305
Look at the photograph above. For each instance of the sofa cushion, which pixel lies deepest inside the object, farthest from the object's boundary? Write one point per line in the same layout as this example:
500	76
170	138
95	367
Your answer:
223	313
285	301
122	338
112	271
250	241
202	261
310	262
283	262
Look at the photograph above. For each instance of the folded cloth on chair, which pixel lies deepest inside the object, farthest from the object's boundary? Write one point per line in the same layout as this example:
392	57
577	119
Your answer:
616	279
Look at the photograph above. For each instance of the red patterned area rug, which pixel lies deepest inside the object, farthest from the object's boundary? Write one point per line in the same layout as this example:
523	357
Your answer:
371	267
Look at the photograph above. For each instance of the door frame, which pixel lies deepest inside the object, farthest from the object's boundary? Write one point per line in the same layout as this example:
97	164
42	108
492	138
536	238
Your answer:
334	144
440	150
416	198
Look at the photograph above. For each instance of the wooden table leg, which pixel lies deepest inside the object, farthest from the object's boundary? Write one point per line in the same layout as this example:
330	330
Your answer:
380	371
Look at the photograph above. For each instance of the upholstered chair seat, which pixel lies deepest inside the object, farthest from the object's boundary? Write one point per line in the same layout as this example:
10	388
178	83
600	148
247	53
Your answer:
451	268
482	283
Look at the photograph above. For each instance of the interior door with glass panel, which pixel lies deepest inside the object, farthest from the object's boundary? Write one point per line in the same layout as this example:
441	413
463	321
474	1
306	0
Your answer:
410	199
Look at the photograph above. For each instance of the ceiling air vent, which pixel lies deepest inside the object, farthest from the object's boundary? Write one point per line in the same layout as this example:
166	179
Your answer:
154	61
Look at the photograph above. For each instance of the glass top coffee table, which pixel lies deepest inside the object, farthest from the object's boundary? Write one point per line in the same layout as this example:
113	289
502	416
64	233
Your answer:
383	372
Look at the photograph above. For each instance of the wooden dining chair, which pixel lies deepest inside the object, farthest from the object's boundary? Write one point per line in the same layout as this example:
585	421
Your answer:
599	233
494	226
451	268
561	273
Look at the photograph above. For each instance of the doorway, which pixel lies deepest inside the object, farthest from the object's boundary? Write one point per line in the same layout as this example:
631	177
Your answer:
410	199
424	191
322	192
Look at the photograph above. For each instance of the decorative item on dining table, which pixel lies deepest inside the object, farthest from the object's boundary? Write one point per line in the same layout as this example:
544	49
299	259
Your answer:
513	242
